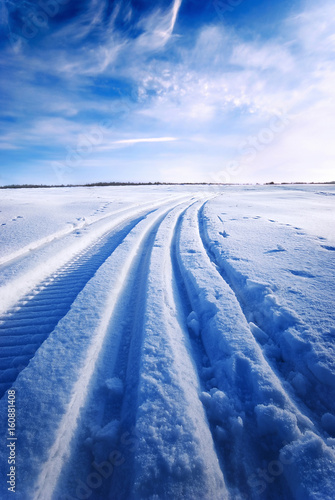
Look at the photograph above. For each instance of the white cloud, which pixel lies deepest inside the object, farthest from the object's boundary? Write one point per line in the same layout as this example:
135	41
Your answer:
295	76
272	56
145	139
314	28
158	28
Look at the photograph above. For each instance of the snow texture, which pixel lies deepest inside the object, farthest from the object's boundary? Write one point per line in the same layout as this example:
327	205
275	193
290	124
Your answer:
169	342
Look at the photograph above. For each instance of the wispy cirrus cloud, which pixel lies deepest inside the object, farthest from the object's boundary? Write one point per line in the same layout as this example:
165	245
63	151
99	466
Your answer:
158	28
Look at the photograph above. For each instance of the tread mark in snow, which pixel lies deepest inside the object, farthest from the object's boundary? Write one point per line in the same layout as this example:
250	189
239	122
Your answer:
200	358
119	362
250	389
38	315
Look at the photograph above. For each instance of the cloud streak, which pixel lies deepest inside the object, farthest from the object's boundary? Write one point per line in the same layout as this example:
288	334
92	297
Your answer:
146	139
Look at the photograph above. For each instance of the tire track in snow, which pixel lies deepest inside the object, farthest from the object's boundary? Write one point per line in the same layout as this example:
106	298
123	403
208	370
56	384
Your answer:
201	361
259	306
257	422
119	266
175	457
23	330
122	365
217	396
101	426
24	327
84	223
24	273
233	469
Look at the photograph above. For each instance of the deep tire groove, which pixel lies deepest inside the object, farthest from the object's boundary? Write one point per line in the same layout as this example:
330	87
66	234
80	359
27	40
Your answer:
233	443
38	316
203	365
204	369
127	322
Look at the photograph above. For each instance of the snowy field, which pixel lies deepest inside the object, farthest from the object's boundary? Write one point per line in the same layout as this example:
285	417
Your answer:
168	343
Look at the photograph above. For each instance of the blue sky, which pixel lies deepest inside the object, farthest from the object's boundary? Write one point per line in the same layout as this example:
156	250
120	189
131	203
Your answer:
180	91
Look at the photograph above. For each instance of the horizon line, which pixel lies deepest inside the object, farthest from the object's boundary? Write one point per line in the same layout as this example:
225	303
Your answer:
160	183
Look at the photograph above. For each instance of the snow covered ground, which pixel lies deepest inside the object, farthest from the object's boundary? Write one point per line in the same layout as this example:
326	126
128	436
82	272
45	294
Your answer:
168	342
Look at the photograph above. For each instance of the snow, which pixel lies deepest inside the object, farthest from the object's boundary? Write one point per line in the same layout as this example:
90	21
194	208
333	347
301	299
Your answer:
169	342
328	423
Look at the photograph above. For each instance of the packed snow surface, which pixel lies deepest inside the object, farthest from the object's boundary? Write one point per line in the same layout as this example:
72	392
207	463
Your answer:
167	342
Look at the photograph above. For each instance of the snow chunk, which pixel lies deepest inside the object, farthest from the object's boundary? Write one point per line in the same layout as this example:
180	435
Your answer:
294	341
236	425
258	333
274	420
310	471
205	398
322	372
193	322
300	384
220	406
257	289
115	386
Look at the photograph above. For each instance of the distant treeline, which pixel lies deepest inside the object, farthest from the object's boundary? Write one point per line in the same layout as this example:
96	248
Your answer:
104	184
294	183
